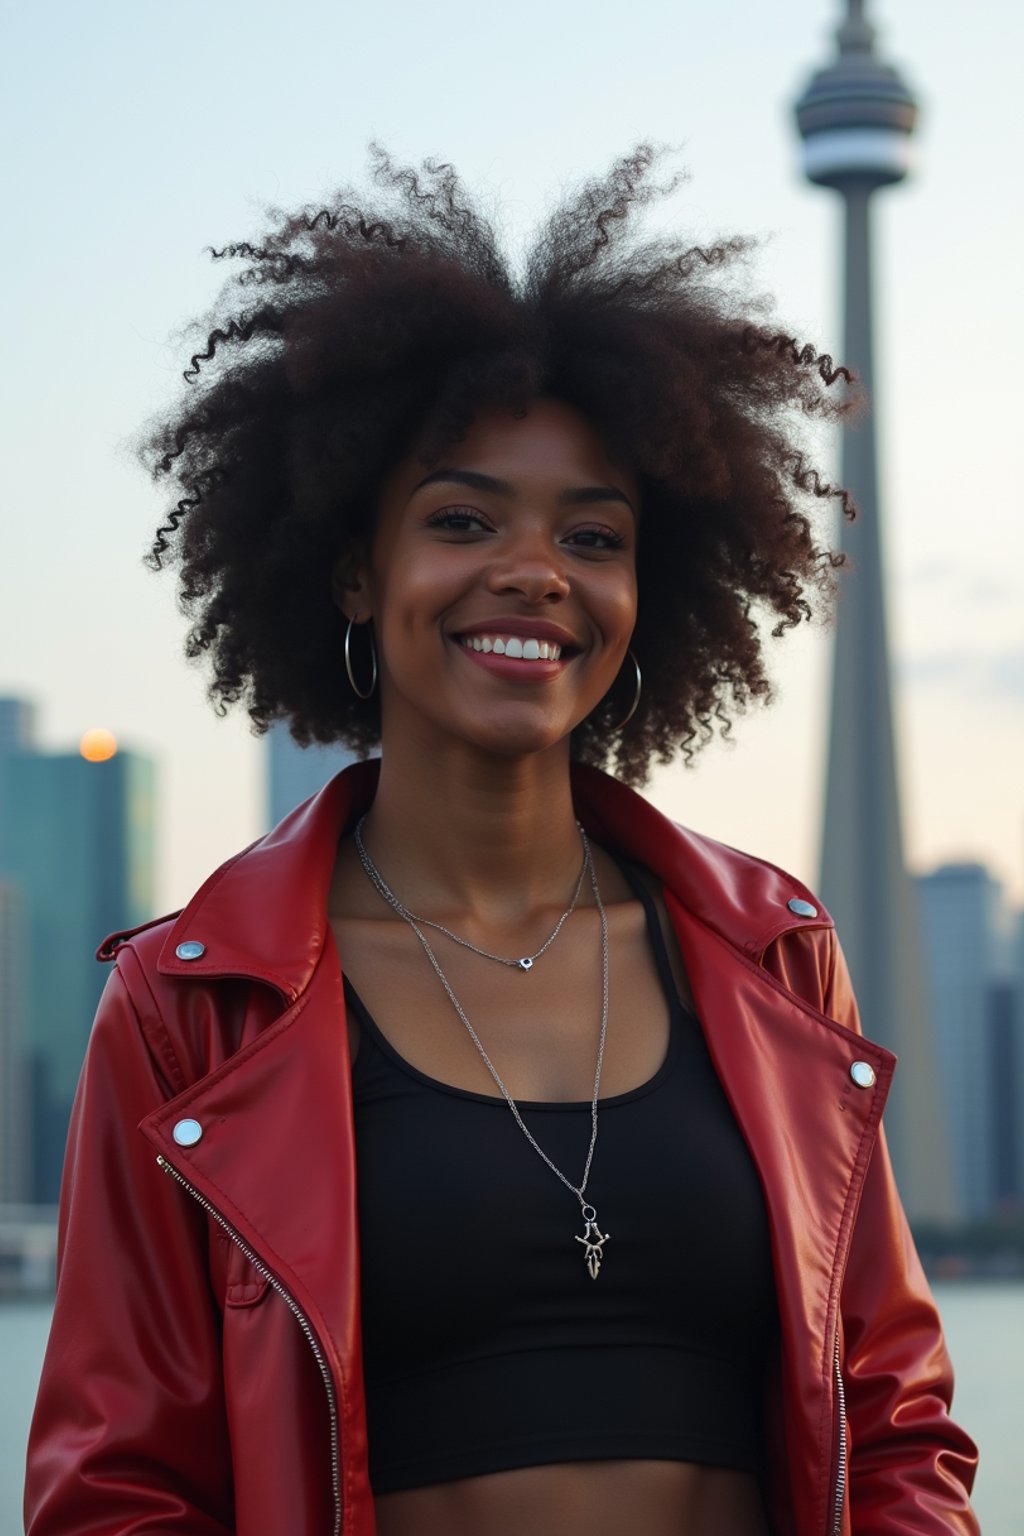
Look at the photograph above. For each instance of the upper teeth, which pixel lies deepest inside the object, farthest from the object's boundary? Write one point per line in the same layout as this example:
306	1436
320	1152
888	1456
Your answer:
511	645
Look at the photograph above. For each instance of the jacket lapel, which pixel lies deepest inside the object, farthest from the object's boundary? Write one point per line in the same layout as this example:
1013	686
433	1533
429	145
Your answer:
785	1069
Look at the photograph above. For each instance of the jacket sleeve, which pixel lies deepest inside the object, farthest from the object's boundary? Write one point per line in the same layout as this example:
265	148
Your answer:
910	1466
129	1435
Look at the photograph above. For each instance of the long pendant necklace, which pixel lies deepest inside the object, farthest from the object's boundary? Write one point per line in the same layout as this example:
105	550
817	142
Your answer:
520	963
593	1239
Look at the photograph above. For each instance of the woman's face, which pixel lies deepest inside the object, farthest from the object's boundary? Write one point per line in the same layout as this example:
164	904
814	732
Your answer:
502	585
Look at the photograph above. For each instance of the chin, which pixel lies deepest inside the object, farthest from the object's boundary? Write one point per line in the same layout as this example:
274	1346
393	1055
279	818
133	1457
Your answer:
506	740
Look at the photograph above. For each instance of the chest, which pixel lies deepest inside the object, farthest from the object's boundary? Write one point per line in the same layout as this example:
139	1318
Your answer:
540	1028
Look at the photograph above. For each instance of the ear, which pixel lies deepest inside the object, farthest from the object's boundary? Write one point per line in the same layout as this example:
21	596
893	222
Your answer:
350	586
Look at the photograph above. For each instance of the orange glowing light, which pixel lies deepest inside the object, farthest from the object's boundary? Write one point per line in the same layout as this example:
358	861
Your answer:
98	746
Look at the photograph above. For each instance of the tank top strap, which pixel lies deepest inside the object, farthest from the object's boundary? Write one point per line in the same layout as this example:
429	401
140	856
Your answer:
371	1038
640	889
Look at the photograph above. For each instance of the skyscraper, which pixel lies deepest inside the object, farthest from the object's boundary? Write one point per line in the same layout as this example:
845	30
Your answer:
856	118
975	1005
294	773
17	726
15	1123
76	845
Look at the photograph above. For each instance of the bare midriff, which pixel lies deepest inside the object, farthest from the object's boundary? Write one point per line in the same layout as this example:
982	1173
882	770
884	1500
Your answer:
592	1498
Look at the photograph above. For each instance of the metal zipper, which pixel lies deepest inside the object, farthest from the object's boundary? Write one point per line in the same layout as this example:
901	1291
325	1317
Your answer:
297	1312
837	1515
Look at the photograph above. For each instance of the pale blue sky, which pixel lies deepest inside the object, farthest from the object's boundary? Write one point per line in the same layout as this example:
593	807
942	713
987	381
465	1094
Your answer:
137	134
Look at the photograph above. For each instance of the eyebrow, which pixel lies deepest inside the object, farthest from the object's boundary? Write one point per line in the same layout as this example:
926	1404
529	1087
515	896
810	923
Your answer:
583	495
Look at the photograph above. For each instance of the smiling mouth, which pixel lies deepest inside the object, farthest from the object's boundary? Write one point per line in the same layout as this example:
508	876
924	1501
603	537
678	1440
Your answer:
512	646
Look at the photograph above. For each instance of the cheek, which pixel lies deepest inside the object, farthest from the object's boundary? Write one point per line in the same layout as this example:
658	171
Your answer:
410	603
619	604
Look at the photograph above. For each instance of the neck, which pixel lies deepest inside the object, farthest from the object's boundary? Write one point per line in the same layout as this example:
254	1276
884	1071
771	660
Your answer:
463	832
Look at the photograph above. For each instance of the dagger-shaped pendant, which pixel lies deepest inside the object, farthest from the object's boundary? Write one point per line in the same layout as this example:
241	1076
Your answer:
593	1241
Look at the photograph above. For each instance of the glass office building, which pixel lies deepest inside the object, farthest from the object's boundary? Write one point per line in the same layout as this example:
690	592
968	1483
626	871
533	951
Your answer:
294	773
77	848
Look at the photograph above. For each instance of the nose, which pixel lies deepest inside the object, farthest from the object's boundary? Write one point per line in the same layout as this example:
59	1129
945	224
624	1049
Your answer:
532	566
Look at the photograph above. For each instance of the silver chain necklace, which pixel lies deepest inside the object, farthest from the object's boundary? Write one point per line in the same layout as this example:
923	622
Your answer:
524	962
593	1238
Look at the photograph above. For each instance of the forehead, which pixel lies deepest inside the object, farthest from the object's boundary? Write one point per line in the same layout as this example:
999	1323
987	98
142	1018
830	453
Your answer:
552	446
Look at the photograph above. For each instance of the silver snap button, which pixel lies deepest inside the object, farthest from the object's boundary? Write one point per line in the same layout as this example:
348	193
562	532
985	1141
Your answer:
801	908
187	1132
190	950
863	1074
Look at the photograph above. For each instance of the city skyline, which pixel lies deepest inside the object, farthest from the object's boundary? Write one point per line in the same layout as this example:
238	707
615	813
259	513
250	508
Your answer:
973	941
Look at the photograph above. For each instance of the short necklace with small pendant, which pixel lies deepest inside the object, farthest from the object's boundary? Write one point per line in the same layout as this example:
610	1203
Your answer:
520	963
593	1239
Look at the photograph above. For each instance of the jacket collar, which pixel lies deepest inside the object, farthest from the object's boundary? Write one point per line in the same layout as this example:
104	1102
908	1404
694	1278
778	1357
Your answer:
263	914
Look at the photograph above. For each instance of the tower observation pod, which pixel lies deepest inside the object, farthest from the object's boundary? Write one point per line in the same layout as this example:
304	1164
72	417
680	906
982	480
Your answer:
857	116
856	119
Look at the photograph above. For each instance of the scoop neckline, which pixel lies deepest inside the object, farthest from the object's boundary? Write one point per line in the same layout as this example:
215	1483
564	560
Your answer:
677	1011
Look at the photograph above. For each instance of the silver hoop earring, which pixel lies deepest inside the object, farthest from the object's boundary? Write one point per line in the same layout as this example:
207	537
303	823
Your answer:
627	717
373	662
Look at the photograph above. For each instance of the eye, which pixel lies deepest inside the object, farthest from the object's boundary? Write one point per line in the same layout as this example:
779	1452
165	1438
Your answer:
595	536
458	520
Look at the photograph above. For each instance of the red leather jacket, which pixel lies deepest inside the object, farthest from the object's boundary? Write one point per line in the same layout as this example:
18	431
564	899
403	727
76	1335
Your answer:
203	1373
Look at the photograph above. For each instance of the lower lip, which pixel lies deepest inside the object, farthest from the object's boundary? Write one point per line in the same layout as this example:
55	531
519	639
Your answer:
513	669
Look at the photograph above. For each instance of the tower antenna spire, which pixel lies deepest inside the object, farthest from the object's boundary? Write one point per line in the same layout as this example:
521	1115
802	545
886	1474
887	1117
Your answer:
856	34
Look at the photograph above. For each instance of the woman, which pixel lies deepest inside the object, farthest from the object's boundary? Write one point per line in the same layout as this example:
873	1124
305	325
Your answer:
585	1220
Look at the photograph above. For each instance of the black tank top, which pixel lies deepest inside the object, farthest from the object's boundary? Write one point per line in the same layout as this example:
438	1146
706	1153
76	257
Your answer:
486	1343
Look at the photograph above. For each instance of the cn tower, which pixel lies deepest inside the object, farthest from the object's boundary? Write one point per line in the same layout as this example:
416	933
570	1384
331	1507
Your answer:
856	119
